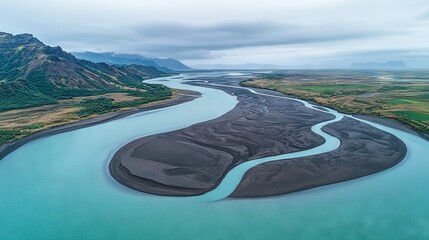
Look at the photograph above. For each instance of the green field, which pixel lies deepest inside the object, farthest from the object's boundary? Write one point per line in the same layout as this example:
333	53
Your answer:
418	116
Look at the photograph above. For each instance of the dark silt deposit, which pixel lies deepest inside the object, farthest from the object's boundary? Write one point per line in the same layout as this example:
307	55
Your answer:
194	160
364	150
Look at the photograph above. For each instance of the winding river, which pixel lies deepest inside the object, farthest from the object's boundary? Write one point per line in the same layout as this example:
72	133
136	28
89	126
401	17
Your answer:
233	177
58	187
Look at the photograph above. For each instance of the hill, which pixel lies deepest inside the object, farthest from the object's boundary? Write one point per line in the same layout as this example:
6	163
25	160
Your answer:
246	66
34	74
162	64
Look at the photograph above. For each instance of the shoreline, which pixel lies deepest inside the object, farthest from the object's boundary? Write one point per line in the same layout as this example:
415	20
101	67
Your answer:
393	123
8	148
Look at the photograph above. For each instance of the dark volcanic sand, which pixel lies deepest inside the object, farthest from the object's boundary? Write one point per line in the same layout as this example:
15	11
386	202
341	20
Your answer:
364	150
194	160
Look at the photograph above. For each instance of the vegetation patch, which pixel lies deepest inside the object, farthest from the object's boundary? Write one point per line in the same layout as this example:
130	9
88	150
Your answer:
104	105
418	116
7	135
33	126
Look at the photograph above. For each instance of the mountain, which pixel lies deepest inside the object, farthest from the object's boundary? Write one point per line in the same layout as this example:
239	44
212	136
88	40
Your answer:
385	65
126	59
34	74
246	66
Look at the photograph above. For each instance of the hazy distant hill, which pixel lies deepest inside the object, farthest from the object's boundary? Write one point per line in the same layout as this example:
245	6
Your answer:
33	74
246	66
373	65
126	59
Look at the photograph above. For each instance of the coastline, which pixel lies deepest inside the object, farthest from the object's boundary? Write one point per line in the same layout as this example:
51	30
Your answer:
8	148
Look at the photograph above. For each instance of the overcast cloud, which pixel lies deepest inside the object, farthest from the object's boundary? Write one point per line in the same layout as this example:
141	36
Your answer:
313	32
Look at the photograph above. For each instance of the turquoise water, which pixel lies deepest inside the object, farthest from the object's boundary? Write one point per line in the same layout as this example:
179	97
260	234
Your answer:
59	188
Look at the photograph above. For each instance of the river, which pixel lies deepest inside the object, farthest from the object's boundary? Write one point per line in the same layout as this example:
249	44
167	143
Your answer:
59	187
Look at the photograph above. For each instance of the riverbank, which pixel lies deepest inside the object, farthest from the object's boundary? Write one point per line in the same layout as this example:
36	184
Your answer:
393	123
181	97
402	101
259	126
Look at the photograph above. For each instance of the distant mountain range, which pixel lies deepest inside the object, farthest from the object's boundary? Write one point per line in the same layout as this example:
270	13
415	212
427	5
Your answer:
385	65
33	74
246	66
258	66
163	64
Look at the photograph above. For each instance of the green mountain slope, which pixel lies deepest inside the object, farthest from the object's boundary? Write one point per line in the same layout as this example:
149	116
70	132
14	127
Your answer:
33	74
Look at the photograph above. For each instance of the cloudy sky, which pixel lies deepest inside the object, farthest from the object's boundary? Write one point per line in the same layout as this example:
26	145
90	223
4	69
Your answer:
284	32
